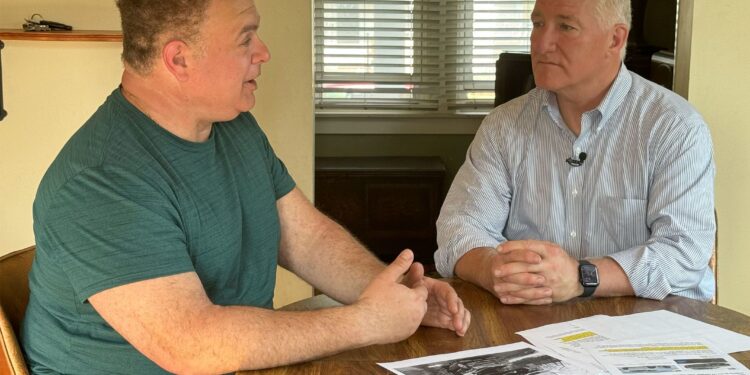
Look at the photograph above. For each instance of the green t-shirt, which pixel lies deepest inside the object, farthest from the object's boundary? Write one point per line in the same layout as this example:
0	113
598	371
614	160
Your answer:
125	201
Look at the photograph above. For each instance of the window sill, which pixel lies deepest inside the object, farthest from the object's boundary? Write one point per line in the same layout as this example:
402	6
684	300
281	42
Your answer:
397	114
392	123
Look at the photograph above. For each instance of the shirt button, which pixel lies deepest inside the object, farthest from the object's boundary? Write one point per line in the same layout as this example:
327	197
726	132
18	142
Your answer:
575	192
578	151
573	234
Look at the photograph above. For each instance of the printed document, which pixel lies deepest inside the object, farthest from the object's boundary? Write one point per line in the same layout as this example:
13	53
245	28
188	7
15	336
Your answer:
664	324
518	358
665	358
569	341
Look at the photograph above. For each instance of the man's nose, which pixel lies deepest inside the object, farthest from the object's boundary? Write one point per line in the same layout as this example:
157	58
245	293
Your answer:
543	39
261	54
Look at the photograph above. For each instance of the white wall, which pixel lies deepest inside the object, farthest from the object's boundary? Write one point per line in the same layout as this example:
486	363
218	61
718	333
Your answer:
47	99
285	105
719	79
51	88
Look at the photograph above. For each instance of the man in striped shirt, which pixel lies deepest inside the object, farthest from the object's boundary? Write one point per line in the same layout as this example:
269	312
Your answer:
597	182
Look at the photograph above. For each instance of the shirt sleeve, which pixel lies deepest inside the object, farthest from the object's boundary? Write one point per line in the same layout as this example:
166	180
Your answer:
477	205
680	214
282	181
108	227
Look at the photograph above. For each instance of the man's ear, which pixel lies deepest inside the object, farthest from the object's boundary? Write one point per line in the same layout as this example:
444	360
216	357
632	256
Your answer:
174	55
619	37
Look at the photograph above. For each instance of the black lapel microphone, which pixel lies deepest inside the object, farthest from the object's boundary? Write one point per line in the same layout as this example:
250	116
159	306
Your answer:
577	162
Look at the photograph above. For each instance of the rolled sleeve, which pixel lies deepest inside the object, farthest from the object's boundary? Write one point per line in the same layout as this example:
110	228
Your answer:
476	208
681	218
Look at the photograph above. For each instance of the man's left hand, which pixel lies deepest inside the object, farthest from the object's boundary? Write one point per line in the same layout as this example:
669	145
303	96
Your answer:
444	308
560	270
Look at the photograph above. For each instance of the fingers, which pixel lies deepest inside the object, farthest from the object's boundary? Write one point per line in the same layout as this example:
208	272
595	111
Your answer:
543	248
454	308
533	245
445	308
512	259
508	255
465	324
541	295
461	319
415	275
514	268
502	289
446	296
455	304
523	280
510	300
398	267
422	292
458	322
418	268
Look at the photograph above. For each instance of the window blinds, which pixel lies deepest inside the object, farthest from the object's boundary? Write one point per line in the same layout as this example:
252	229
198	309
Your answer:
424	55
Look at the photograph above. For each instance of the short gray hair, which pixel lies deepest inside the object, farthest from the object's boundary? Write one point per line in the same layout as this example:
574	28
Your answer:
611	12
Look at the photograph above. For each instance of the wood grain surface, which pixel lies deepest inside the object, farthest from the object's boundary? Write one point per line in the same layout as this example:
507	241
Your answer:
495	324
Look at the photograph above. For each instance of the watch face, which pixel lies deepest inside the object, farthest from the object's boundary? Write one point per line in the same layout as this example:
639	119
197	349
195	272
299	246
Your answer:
589	275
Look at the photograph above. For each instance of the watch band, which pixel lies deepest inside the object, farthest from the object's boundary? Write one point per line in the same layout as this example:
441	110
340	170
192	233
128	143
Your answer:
588	287
588	291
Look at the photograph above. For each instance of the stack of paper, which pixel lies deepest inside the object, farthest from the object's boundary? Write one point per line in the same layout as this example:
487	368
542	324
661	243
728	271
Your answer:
646	343
653	342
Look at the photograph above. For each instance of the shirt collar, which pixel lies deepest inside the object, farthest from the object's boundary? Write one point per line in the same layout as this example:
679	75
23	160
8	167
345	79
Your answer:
611	101
615	96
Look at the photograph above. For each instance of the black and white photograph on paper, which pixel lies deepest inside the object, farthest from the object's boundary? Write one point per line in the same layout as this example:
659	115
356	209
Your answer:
513	359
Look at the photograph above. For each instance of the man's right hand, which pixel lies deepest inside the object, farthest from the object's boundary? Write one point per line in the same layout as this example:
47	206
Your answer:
511	275
390	310
518	271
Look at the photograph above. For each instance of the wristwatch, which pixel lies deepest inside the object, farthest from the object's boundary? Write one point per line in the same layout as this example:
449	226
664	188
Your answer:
588	275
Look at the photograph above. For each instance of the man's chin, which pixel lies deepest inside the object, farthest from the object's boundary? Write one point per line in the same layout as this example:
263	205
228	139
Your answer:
545	85
231	115
249	102
249	107
546	82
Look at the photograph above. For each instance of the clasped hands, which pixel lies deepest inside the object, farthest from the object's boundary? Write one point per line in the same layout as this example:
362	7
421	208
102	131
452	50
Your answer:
532	272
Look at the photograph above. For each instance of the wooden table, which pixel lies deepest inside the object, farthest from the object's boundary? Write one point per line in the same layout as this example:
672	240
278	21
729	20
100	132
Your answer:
495	324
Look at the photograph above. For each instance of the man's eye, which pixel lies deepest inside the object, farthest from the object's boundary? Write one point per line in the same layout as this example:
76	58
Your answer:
566	27
536	24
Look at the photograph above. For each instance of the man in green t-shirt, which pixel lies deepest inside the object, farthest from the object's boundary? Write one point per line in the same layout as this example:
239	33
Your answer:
160	224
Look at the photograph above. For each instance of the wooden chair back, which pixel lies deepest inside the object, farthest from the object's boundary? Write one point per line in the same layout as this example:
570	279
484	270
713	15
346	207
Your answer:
14	297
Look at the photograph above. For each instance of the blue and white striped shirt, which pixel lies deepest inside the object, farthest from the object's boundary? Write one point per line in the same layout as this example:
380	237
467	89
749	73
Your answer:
644	196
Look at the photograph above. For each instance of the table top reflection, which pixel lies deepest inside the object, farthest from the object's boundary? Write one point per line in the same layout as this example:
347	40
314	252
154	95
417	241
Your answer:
495	324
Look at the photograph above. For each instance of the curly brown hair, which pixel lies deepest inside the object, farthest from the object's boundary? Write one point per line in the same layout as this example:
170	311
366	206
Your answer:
145	22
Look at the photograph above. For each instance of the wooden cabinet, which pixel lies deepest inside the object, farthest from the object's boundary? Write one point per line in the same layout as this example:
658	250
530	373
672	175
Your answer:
388	203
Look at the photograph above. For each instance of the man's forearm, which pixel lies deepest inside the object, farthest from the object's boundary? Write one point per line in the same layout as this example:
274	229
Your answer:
347	268
172	322
474	267
613	281
321	251
335	263
240	338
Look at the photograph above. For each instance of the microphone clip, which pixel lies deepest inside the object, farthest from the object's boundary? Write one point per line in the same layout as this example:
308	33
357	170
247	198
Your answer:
576	162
